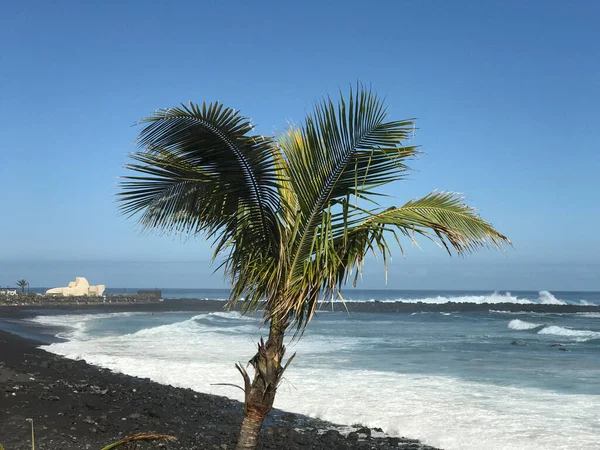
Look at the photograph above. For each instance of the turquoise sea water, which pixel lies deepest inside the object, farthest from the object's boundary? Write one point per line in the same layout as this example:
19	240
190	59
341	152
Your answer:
489	380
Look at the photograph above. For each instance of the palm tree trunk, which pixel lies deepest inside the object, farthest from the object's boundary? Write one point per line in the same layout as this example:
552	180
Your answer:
250	431
260	393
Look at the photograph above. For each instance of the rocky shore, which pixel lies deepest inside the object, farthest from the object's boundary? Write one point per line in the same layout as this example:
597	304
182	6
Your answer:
49	300
77	406
22	303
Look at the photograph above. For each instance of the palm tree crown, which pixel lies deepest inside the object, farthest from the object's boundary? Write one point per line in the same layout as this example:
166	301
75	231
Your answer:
22	284
290	214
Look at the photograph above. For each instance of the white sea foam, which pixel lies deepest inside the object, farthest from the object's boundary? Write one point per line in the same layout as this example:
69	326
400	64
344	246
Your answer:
555	330
517	324
76	325
585	303
544	297
227	315
72	319
445	412
579	335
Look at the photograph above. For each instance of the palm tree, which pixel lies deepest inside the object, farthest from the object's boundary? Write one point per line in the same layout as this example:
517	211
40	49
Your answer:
293	218
22	284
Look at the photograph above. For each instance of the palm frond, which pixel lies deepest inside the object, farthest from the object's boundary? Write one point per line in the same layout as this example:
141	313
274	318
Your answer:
445	218
200	171
191	153
137	437
341	246
342	150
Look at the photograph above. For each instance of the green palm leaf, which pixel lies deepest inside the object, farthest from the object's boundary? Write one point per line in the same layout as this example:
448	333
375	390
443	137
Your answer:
340	151
341	250
190	154
444	217
200	171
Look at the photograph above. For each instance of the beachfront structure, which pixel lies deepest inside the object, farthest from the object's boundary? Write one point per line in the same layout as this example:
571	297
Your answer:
77	288
8	291
154	293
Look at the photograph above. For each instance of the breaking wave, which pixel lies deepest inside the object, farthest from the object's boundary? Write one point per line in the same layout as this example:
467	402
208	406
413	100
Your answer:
544	298
517	324
76	325
580	335
554	330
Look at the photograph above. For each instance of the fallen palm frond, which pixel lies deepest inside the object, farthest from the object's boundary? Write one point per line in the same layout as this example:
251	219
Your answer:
140	437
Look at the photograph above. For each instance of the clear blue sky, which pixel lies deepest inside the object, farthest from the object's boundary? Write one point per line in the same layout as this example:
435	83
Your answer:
507	96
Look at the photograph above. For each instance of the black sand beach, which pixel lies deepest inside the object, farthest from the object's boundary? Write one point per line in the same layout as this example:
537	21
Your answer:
78	406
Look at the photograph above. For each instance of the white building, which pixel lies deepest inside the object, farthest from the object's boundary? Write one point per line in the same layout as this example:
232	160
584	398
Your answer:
79	287
8	291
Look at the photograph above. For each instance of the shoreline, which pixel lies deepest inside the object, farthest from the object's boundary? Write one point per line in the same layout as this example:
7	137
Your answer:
80	406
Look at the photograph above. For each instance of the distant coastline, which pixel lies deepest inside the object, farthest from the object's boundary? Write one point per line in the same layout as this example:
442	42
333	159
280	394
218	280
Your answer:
20	305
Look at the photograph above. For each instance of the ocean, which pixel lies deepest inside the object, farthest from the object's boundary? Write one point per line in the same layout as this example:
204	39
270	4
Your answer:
458	381
392	295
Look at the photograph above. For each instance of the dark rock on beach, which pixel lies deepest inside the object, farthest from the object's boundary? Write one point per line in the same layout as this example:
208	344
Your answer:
77	406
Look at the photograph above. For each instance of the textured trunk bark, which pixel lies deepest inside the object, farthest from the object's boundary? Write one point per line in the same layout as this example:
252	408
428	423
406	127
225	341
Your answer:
260	393
251	426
